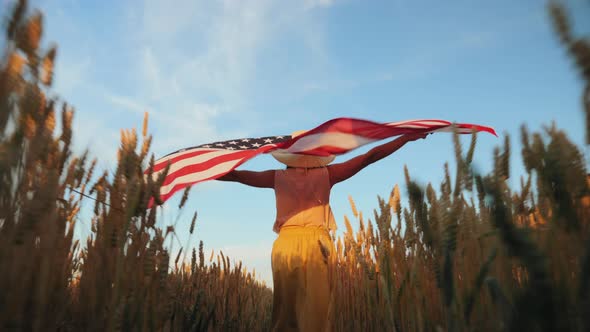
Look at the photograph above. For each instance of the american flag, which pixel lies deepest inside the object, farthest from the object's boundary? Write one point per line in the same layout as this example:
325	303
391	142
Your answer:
209	161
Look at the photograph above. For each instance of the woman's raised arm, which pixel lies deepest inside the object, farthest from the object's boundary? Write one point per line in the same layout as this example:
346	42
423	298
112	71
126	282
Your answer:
264	179
342	171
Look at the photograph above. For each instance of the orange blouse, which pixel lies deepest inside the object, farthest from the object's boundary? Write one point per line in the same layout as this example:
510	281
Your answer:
303	198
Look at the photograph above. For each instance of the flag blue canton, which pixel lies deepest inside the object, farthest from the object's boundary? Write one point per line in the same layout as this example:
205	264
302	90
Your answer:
238	144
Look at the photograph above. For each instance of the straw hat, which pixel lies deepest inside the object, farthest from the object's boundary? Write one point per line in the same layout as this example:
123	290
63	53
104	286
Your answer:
300	160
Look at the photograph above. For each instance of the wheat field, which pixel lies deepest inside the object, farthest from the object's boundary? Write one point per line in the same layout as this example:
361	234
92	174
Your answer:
468	254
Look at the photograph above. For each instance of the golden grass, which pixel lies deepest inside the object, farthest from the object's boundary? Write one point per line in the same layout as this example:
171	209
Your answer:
120	278
483	259
468	254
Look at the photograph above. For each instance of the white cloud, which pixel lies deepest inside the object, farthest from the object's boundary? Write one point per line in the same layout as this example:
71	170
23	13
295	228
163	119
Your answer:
151	74
126	103
190	124
187	123
160	20
232	43
70	73
197	60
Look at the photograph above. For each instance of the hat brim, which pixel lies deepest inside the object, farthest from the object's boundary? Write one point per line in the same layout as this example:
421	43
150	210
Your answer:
302	161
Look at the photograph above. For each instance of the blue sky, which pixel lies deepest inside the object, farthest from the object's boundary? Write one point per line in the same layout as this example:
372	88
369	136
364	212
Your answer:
212	70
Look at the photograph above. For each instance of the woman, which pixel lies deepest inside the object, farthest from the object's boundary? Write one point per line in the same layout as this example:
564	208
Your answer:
303	251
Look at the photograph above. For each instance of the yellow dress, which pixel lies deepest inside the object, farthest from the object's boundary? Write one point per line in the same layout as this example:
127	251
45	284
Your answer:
303	253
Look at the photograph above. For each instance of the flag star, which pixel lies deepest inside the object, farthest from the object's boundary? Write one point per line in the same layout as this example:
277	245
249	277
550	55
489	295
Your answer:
243	147
219	144
233	142
206	146
246	140
231	148
256	145
280	137
268	140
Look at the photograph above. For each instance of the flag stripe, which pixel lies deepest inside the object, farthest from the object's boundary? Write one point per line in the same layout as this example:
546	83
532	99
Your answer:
340	140
161	164
323	151
186	180
419	122
197	160
195	168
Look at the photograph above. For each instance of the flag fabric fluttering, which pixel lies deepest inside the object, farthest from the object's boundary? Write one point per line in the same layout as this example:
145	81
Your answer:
335	137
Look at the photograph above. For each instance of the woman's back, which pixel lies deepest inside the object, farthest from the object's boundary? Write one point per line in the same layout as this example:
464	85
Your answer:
303	198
